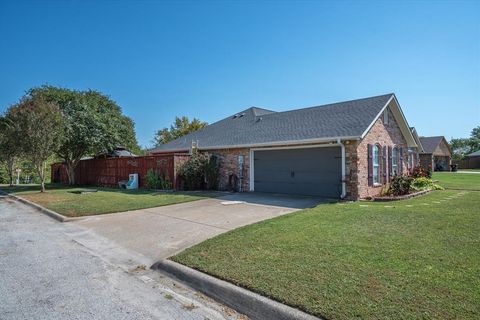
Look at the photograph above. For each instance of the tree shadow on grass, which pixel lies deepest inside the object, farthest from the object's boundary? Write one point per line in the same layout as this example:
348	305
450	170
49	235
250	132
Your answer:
31	187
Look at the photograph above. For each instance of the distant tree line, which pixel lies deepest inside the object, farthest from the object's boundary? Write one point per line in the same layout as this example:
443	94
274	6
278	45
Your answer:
66	124
464	146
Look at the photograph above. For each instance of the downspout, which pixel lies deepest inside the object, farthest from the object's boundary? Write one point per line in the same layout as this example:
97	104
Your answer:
344	189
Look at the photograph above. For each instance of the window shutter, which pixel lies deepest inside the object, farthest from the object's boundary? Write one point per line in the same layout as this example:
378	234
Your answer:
370	165
384	164
390	161
400	163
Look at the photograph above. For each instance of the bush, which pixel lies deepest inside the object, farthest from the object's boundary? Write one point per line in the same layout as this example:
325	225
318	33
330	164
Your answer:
199	172
422	183
154	180
421	172
400	185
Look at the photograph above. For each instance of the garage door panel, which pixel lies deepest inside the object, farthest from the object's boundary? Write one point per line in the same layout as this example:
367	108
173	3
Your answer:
309	171
303	176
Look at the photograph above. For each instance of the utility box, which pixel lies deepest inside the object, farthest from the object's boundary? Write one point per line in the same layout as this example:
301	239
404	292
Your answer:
132	181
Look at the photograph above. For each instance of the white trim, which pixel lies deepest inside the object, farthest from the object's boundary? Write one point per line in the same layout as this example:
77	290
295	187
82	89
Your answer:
378	148
376	118
344	187
396	152
406	124
251	178
281	143
338	143
406	132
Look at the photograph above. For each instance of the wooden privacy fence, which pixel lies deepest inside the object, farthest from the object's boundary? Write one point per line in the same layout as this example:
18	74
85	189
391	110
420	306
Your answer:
469	163
107	172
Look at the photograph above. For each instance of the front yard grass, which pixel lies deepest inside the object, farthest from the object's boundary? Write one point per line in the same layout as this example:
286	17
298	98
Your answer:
65	201
410	259
460	181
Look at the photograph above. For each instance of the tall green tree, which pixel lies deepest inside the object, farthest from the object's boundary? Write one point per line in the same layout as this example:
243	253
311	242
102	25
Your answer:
460	147
475	139
463	146
180	127
10	149
40	125
94	124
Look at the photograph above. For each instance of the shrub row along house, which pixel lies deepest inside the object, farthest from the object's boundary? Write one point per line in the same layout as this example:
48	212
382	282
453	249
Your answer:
342	150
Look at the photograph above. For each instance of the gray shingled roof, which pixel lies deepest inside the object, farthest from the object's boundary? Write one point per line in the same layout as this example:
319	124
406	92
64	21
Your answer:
256	126
429	144
474	154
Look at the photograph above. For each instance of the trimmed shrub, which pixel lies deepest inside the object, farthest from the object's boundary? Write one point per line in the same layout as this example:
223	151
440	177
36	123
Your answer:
199	172
400	185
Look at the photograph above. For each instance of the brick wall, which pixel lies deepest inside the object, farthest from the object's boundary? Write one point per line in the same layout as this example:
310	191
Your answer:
426	160
229	166
351	169
384	135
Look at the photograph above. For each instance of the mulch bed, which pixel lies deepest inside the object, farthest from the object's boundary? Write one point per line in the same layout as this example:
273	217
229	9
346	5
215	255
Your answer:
403	197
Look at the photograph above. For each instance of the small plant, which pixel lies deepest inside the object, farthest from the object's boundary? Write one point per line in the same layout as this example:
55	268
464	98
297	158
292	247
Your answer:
166	183
400	185
153	180
385	190
424	183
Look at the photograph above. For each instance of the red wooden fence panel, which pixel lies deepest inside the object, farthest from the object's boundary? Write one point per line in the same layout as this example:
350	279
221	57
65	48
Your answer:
107	172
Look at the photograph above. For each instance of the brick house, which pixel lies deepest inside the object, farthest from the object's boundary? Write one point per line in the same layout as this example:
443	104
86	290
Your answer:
436	153
414	152
342	150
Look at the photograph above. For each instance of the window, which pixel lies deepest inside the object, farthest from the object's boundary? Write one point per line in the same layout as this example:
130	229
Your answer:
385	116
376	164
395	161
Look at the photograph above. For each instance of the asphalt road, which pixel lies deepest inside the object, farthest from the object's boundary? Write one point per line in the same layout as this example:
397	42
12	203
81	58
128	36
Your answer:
51	270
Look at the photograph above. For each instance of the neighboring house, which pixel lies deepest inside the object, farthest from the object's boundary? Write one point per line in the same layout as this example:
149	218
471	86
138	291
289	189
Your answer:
414	152
436	153
117	152
473	155
341	150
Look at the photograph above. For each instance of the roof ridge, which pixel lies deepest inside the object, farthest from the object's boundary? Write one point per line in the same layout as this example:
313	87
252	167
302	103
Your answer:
331	104
432	137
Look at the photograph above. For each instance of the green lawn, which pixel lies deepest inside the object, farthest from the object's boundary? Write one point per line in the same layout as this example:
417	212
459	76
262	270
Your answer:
419	259
460	181
65	201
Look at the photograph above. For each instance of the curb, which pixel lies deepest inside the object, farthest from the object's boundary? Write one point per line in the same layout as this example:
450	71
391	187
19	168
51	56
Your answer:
43	210
242	300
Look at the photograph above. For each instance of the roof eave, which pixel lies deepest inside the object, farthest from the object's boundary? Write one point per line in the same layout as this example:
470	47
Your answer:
282	143
270	143
401	121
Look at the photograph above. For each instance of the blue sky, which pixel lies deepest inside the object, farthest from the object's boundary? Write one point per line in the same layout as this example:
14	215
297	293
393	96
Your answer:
208	60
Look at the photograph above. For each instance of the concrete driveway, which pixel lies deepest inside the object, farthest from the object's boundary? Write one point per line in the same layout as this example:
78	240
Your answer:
157	233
